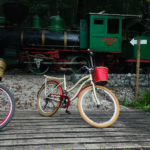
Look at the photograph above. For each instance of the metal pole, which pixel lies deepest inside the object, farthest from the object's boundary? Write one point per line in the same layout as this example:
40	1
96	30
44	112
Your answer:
137	70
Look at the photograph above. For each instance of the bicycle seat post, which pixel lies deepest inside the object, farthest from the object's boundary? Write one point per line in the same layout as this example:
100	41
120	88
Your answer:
64	82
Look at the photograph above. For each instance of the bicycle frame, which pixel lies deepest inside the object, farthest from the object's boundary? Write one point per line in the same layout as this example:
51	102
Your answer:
86	78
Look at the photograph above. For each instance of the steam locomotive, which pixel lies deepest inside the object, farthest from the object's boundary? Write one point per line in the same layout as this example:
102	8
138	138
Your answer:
41	49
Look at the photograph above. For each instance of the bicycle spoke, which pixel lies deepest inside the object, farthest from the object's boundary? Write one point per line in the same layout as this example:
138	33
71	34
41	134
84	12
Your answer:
7	106
52	104
98	115
1	113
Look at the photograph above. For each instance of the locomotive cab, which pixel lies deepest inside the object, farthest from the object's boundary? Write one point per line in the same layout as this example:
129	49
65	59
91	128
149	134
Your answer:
103	32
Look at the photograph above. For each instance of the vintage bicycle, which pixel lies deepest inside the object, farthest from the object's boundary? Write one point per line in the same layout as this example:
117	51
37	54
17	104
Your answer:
97	105
7	102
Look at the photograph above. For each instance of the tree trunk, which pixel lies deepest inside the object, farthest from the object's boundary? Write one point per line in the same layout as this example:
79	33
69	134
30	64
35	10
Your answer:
147	15
80	11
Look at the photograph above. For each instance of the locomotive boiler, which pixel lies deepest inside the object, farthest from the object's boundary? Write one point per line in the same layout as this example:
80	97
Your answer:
34	45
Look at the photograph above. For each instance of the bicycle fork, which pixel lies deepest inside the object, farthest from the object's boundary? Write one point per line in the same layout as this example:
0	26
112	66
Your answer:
94	95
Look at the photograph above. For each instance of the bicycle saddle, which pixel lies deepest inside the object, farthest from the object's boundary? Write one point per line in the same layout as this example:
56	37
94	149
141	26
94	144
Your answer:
63	70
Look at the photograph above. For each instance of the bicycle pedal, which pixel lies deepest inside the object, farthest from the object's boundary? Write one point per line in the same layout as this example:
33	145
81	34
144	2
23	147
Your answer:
68	112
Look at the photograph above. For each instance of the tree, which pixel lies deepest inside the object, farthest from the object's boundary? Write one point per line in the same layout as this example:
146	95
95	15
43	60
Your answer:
73	10
80	11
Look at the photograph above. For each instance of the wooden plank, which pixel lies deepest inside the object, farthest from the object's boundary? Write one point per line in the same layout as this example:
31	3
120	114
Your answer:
39	130
74	122
72	140
75	112
76	118
68	121
117	146
47	147
30	130
79	125
62	112
71	135
110	146
70	124
9	130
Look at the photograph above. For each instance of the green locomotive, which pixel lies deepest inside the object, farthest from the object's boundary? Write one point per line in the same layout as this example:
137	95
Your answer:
107	35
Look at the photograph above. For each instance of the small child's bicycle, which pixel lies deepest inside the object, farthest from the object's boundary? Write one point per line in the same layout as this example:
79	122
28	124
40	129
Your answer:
97	105
7	102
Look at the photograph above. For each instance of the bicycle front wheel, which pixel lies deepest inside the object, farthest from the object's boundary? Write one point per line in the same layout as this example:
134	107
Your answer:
102	115
7	106
46	105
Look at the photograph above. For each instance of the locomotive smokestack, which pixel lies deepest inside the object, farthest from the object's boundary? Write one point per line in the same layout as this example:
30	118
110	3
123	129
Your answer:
15	11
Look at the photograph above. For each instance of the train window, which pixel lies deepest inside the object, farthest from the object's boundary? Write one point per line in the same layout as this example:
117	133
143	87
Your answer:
98	22
98	26
113	26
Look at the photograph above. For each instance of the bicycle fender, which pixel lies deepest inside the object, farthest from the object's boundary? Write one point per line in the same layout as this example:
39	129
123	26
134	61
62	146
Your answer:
83	89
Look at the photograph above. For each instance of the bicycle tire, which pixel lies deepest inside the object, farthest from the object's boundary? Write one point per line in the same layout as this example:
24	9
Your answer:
98	116
6	112
41	97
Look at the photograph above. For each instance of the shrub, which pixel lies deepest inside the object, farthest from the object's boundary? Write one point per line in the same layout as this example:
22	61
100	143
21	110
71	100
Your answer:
143	103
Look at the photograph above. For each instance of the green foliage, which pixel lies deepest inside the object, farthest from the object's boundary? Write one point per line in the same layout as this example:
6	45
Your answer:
47	8
102	149
124	102
68	8
142	104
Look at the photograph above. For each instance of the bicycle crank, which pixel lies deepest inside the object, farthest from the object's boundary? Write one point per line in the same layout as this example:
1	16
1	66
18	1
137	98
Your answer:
64	102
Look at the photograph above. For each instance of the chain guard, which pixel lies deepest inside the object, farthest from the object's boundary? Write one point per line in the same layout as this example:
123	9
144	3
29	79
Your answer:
64	102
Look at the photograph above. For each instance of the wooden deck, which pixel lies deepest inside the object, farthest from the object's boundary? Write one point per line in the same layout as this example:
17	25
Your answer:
29	130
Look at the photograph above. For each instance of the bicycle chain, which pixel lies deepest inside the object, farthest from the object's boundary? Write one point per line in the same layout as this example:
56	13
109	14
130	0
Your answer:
64	102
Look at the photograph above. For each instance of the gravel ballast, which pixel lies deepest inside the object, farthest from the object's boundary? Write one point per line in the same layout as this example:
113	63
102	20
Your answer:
25	88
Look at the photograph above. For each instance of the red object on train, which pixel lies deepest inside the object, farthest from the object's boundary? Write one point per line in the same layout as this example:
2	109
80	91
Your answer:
100	75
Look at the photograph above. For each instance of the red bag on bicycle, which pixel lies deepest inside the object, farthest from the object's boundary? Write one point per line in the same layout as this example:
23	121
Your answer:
100	75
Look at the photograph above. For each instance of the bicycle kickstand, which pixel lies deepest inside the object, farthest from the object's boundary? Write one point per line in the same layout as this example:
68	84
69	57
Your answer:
67	111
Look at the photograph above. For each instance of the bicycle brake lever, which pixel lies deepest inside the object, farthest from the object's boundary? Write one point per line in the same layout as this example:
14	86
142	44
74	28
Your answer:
78	70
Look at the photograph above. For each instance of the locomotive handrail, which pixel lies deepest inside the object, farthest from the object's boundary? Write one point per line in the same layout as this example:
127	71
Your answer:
52	45
40	28
59	63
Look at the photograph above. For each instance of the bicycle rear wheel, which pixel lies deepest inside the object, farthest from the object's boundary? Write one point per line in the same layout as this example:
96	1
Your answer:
46	106
7	106
102	115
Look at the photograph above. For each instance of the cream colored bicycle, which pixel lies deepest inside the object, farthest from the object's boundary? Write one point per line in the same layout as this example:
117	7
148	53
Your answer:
97	105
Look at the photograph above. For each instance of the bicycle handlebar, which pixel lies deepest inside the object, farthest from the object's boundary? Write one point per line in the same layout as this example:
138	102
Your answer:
90	53
89	69
92	65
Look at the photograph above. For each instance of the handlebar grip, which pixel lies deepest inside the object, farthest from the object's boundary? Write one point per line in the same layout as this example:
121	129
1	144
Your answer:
90	53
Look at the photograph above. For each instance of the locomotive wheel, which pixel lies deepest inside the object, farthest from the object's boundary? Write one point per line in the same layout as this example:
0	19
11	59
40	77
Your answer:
75	68
146	70
37	67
